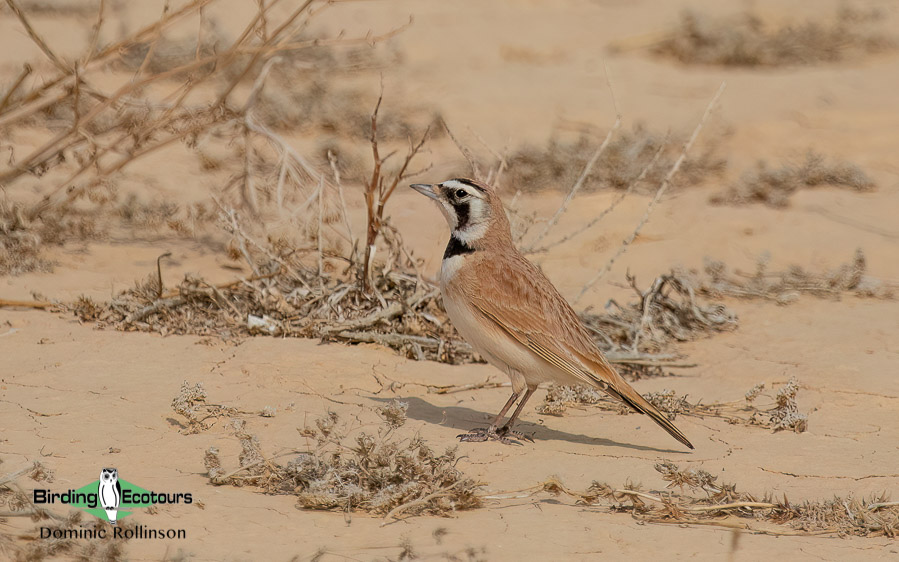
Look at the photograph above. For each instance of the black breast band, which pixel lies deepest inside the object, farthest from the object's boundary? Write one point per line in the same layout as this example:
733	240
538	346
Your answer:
456	247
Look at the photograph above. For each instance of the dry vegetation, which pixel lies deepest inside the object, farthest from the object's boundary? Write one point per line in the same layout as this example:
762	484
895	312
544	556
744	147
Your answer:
708	502
346	468
23	242
775	186
784	287
288	299
667	312
206	93
557	165
781	413
327	284
747	40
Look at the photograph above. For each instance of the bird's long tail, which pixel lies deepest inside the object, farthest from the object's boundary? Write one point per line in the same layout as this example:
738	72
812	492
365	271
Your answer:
632	398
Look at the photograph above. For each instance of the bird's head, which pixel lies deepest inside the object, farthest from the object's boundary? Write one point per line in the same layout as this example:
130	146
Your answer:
473	209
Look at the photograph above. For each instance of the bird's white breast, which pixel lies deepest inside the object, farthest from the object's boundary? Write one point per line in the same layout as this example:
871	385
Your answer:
449	267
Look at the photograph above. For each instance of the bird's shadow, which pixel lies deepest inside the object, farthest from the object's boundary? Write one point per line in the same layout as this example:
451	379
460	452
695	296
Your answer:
460	417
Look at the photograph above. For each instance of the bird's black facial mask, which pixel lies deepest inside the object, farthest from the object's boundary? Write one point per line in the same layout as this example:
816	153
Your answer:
466	209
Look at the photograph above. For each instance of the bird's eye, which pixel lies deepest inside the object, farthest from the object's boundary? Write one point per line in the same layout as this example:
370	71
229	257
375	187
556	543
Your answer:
460	193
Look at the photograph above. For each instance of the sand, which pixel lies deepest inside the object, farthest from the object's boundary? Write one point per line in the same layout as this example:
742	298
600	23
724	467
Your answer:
77	399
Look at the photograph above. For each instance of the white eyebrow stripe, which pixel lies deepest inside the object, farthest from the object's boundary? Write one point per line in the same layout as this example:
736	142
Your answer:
454	184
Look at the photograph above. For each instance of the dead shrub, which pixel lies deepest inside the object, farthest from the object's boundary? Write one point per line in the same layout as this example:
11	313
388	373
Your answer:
721	503
668	311
348	469
559	163
774	186
23	241
177	91
780	414
784	287
191	404
746	40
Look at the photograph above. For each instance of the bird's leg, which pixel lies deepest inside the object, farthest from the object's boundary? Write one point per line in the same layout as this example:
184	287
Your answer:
506	430
481	434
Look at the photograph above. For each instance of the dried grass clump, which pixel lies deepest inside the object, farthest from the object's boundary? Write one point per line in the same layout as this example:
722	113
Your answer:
786	286
692	478
560	397
558	164
748	41
722	504
774	187
668	311
191	404
786	414
349	469
334	112
669	402
290	298
23	241
780	414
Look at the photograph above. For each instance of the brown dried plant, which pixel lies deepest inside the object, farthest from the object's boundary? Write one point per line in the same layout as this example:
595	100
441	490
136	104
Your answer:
555	166
701	499
348	469
784	287
747	40
192	405
774	187
379	189
783	413
173	96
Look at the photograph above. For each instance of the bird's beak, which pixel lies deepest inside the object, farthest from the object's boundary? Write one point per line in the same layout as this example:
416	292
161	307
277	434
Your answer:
425	189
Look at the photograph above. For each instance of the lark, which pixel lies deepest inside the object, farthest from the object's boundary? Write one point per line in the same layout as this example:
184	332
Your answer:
512	315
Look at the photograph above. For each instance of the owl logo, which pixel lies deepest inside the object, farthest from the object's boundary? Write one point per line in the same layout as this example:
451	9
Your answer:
110	492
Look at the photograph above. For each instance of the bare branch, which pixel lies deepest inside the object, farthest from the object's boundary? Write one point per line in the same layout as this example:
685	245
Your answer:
661	191
630	188
472	162
576	187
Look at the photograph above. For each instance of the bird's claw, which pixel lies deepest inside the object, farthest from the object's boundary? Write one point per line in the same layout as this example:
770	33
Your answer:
506	432
503	435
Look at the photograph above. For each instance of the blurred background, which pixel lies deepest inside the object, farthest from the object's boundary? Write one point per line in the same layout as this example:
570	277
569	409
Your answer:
148	120
713	185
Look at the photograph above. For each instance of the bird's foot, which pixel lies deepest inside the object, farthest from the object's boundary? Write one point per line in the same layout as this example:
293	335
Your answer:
505	432
480	434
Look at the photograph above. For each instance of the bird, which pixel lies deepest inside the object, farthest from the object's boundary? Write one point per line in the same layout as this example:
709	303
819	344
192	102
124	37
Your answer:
512	315
110	492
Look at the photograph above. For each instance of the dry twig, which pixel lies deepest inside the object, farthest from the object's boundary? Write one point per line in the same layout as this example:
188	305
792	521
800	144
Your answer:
661	191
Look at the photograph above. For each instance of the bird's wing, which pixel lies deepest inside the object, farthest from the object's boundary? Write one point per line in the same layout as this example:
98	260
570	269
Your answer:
516	296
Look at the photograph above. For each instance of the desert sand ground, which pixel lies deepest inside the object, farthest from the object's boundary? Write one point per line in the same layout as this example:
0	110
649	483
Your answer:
77	398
